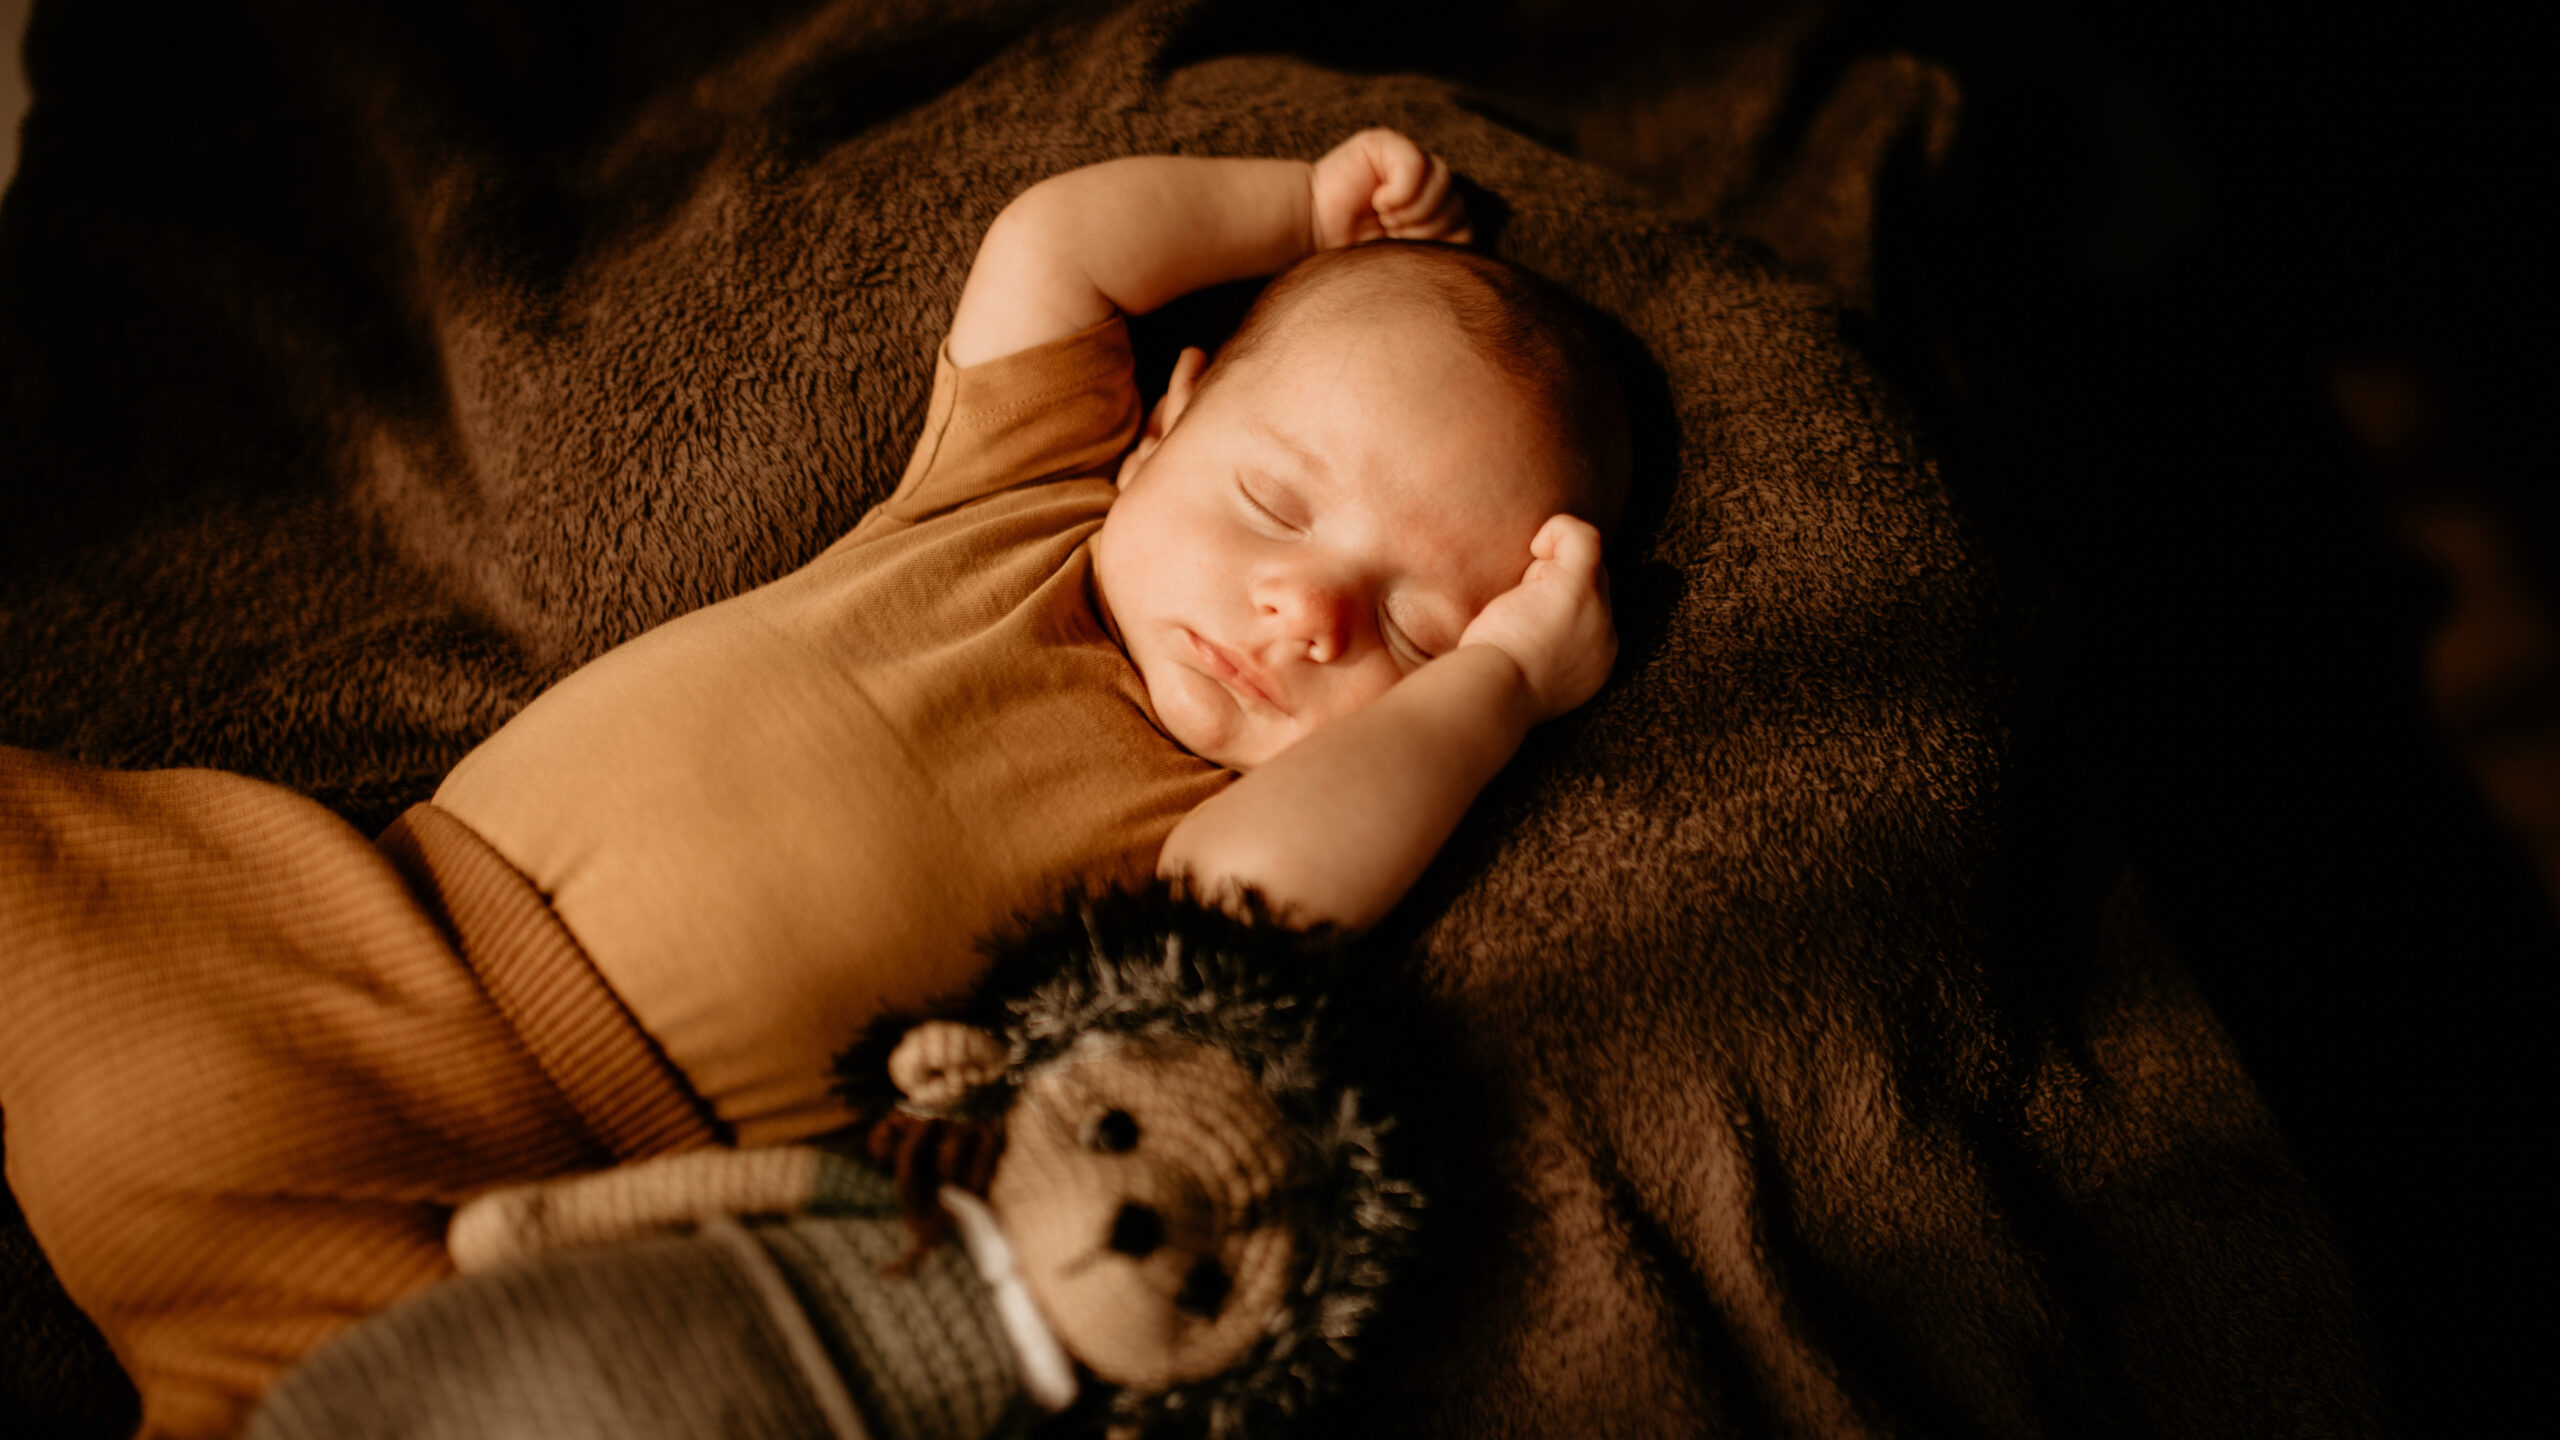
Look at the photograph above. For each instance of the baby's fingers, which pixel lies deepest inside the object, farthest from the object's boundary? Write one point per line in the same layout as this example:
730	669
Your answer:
1400	166
1411	196
1379	183
1572	543
1436	210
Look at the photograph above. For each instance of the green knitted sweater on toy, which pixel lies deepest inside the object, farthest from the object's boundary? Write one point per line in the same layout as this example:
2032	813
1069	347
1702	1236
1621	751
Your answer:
792	1326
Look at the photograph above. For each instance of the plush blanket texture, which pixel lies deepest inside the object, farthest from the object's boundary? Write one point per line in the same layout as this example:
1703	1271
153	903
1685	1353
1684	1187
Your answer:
364	369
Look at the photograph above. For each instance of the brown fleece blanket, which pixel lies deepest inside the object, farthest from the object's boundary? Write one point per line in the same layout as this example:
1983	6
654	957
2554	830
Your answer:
360	374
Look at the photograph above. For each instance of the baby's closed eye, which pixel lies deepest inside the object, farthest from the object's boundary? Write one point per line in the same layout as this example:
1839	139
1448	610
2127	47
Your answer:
1269	503
1408	637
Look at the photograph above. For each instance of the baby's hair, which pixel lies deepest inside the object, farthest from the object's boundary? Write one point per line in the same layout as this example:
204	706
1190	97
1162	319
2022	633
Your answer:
1528	328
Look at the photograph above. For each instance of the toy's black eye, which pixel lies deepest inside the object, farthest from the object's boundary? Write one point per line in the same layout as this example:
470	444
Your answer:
1113	1130
1137	1231
1205	1289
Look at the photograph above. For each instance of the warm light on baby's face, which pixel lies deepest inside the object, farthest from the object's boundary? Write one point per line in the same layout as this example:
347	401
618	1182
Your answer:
1318	524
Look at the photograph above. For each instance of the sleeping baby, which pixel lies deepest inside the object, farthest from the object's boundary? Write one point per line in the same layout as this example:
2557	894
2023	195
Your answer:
1052	654
1273	635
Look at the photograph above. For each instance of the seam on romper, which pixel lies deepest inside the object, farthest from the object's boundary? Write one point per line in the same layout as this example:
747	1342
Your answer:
993	417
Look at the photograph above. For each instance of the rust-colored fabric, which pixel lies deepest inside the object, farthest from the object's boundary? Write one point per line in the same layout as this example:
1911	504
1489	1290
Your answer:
771	819
249	1061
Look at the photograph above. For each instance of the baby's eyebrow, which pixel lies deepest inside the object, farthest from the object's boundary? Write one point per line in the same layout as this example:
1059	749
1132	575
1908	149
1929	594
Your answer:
1306	458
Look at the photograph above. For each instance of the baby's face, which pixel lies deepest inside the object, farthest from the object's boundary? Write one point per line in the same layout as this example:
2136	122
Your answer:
1316	525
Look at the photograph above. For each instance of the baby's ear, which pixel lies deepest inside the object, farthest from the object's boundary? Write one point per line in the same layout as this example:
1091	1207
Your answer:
941	1063
1178	391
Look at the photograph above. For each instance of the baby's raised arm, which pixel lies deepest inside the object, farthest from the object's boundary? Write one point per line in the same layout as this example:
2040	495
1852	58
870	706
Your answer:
1129	235
1338	826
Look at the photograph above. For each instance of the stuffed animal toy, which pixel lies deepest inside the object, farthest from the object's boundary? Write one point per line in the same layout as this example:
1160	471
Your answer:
1124	1186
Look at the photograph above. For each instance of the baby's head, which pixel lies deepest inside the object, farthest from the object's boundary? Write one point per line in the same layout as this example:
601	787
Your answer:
1327	506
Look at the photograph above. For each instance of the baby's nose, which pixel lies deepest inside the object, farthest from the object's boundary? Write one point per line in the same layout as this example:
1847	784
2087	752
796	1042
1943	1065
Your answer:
1315	613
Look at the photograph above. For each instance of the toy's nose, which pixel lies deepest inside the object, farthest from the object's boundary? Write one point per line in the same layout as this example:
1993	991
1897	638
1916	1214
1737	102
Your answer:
1205	1288
1137	1231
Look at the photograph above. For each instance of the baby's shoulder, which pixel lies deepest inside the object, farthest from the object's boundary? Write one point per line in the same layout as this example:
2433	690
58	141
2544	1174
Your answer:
1063	410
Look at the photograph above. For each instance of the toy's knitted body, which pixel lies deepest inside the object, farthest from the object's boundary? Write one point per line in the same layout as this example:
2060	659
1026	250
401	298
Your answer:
803	1326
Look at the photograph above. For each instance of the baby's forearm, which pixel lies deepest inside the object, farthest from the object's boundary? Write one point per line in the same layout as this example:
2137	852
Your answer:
1127	235
1338	826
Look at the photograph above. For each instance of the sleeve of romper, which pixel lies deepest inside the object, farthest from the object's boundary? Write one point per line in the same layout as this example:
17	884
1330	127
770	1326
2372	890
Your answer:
1065	409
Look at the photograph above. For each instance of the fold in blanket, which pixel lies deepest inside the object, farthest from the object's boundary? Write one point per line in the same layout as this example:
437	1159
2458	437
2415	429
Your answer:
360	373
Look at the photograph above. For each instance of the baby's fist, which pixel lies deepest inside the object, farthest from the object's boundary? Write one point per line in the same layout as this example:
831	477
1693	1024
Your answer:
1555	623
1378	184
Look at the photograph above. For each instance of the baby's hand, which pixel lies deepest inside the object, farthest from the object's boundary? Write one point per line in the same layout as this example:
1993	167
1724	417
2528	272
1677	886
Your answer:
1555	623
1380	184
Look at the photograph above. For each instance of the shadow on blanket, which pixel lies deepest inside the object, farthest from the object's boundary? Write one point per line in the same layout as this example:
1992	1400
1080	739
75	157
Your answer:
359	376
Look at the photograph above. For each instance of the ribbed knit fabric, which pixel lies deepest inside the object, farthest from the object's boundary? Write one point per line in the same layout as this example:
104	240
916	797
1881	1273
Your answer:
248	1062
795	1329
605	1065
520	1352
924	1355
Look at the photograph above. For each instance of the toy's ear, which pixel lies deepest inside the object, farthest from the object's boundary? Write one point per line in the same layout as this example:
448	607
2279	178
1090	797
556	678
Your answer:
941	1063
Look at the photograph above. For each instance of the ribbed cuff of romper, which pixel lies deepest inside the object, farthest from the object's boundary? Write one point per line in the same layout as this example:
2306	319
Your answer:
604	1064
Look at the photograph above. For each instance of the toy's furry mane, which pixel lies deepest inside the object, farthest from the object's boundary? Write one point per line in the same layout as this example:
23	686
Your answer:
1156	964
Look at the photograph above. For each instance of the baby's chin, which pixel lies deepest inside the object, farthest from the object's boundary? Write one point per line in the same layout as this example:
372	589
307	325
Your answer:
1204	719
